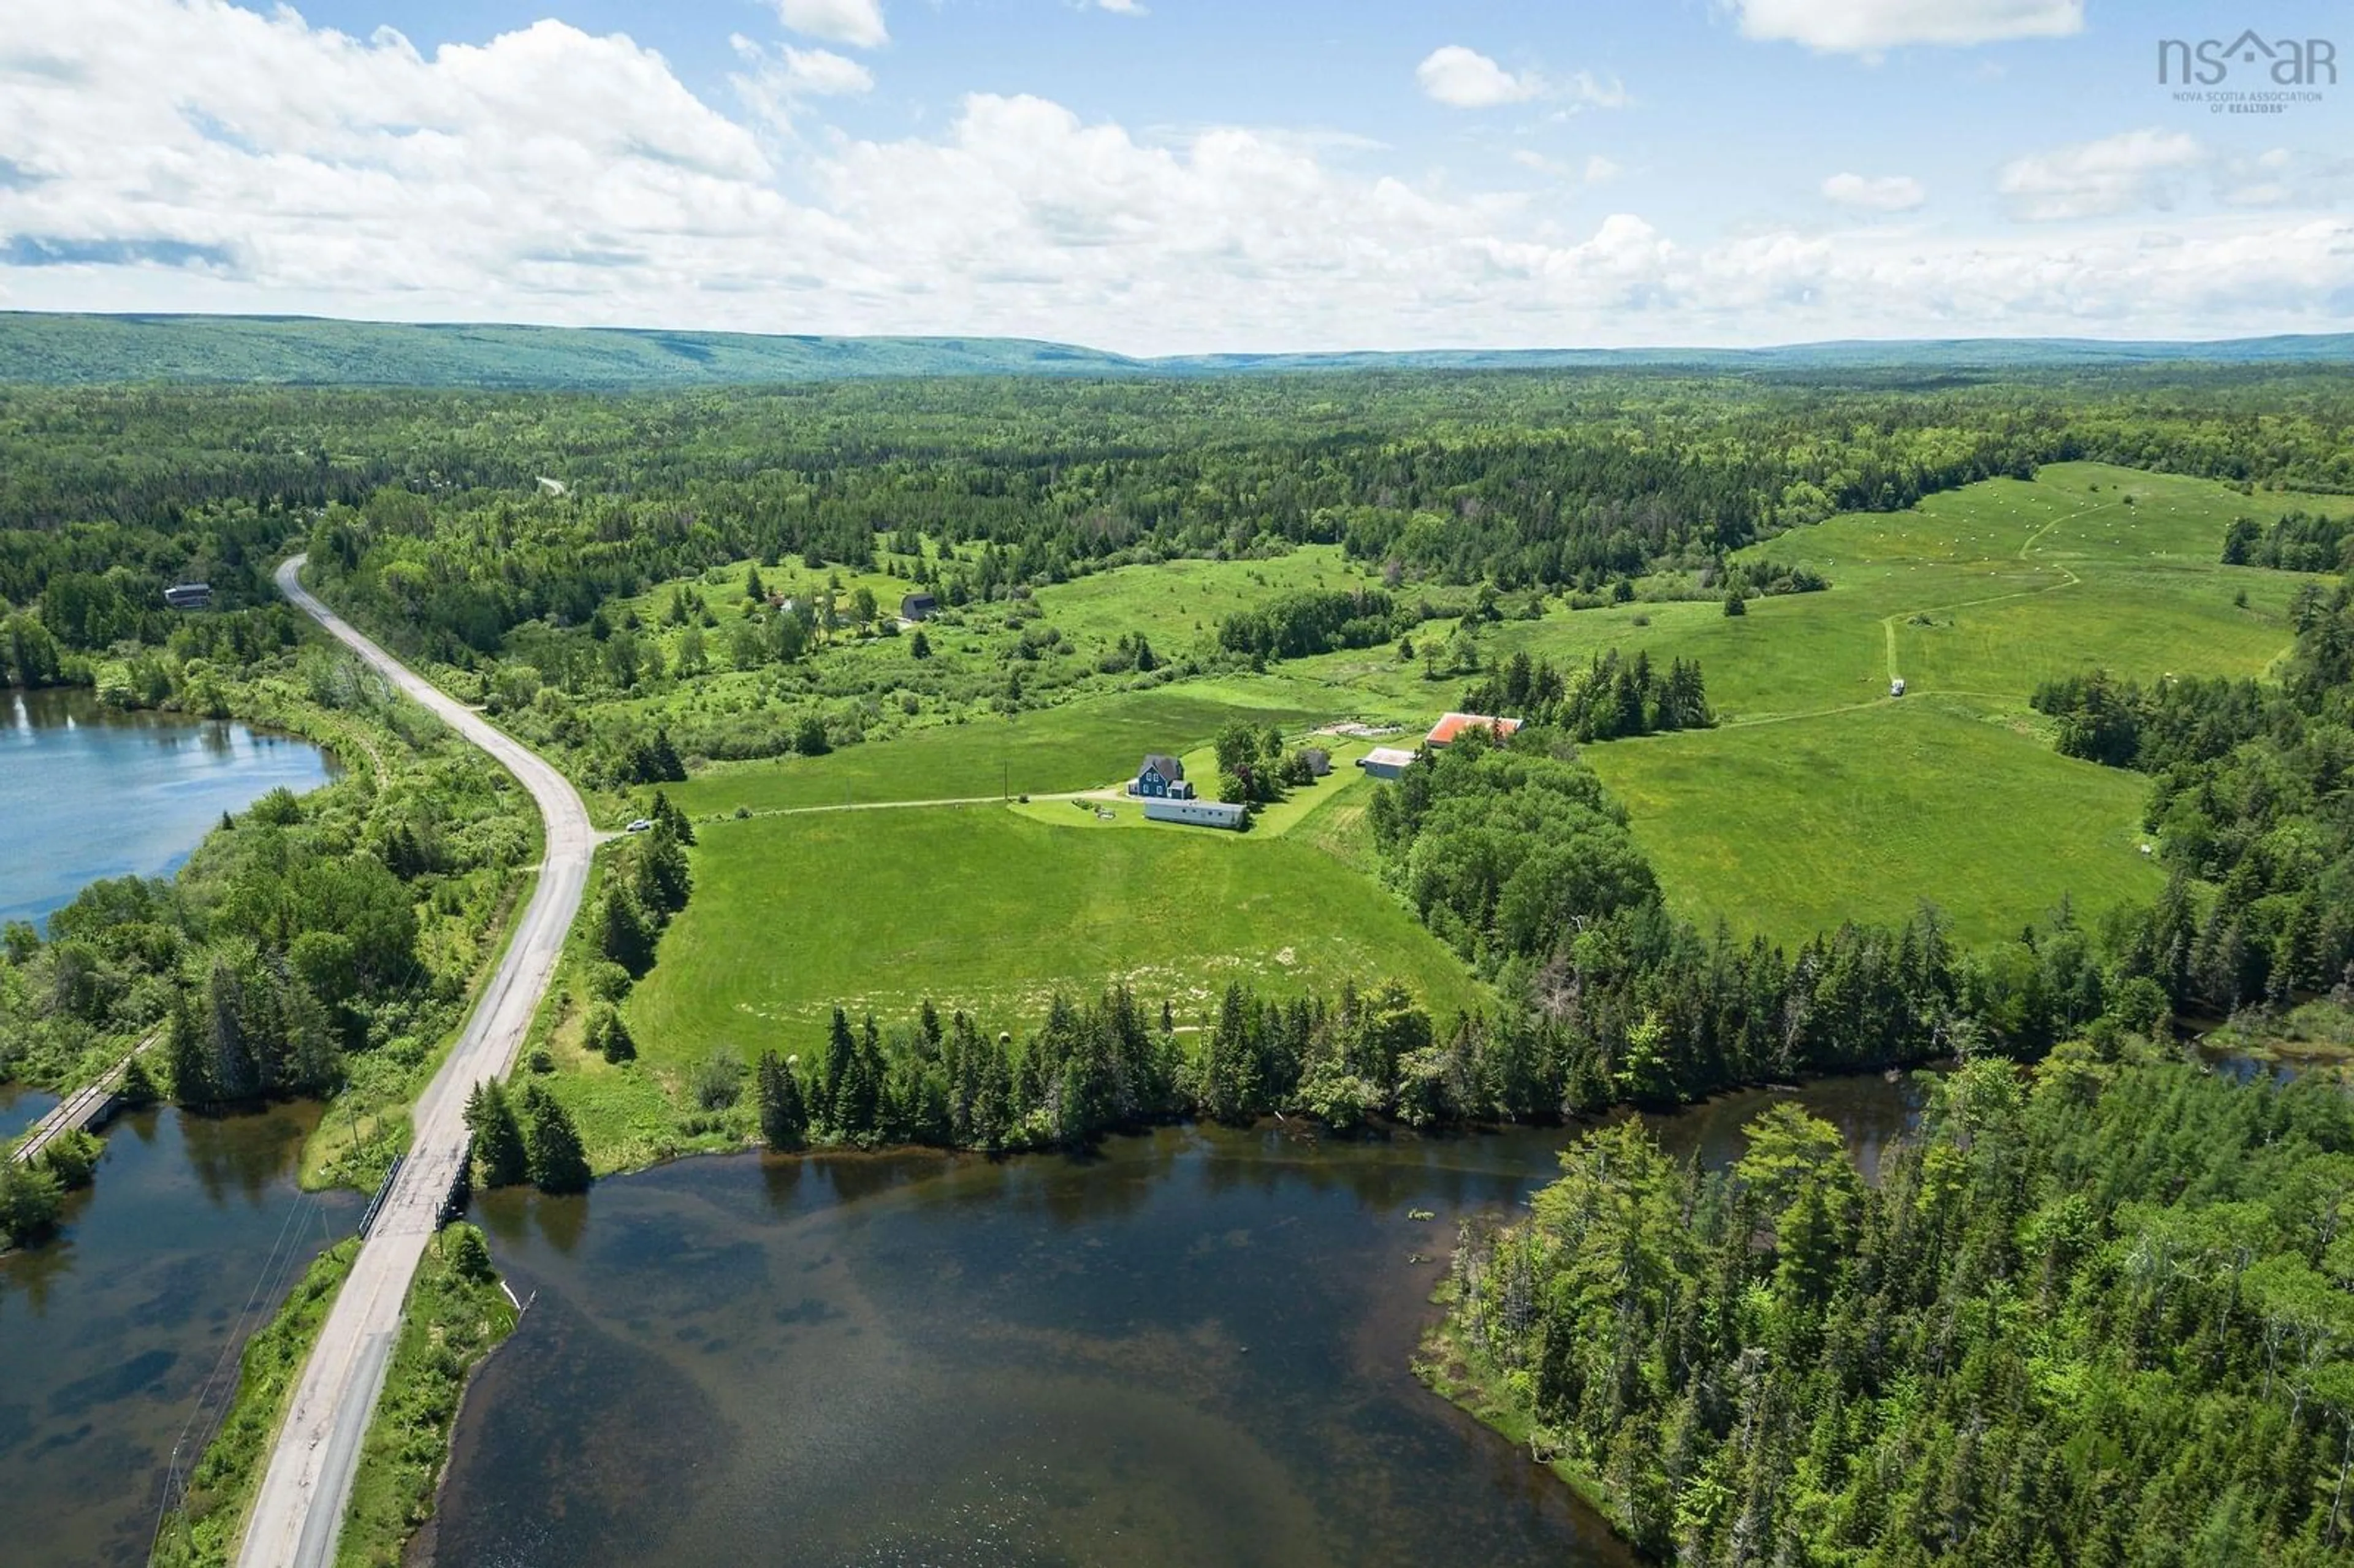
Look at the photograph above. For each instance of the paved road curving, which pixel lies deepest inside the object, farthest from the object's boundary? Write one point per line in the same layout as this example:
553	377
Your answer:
300	1505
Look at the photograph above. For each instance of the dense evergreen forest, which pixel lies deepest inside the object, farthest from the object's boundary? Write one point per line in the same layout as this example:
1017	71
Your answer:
2295	541
2100	1318
1562	478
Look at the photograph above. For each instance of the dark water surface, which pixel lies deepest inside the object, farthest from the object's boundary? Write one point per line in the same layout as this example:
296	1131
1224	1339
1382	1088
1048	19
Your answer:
87	792
108	1333
1193	1349
21	1107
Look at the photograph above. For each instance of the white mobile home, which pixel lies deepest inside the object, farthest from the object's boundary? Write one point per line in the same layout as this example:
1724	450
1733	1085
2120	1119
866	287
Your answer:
1196	813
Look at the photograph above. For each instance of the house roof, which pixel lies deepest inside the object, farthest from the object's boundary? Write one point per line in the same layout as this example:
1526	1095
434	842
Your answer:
1160	762
1388	757
1452	725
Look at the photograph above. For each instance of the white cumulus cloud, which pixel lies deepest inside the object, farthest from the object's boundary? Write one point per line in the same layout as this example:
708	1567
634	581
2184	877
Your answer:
1866	26
776	85
1462	78
546	175
1885	193
858	23
2095	179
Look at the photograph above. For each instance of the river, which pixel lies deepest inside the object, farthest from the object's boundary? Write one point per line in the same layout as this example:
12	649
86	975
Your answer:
109	1334
1190	1348
88	792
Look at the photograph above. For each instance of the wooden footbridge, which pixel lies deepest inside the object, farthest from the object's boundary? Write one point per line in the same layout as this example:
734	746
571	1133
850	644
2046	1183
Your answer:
86	1108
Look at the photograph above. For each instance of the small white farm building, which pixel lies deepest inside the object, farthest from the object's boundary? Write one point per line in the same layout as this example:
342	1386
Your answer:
1196	813
1385	762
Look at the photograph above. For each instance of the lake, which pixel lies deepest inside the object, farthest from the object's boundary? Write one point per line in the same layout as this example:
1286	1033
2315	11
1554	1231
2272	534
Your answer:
87	792
108	1335
20	1106
1190	1348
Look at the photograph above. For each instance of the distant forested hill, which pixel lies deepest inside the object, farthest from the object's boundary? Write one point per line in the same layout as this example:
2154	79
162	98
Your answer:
90	350
87	350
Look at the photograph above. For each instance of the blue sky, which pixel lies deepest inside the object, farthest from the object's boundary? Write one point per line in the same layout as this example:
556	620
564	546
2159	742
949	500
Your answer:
1162	175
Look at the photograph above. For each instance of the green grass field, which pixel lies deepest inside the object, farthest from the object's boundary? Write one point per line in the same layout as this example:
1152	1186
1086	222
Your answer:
1981	593
1082	744
1816	800
984	908
1791	829
1177	605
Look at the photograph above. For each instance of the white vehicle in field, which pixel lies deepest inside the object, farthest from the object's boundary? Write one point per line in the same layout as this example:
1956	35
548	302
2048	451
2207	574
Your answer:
643	825
1896	688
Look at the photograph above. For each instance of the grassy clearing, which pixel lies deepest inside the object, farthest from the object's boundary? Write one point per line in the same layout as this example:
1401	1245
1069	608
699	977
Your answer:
204	1532
1983	593
1080	746
1341	831
1177	605
1818	799
452	1321
979	907
1790	829
1815	801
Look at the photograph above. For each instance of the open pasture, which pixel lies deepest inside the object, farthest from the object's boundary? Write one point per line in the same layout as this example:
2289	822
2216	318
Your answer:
985	908
1176	605
1818	799
1790	829
1081	745
1981	593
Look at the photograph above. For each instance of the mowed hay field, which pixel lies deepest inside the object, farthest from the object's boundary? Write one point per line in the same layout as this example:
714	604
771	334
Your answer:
1791	829
983	909
1082	744
1982	592
1820	799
